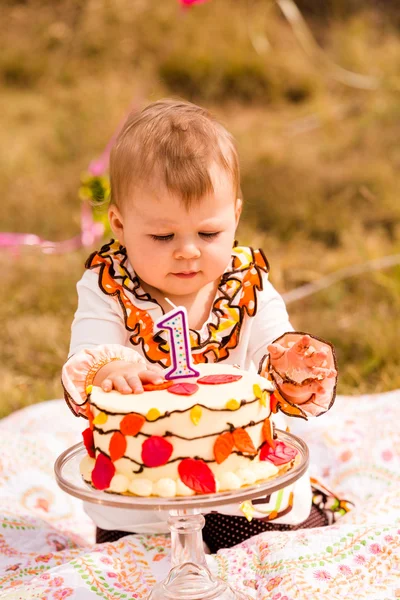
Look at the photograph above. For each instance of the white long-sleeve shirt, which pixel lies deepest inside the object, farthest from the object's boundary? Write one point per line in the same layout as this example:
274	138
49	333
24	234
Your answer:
99	319
247	315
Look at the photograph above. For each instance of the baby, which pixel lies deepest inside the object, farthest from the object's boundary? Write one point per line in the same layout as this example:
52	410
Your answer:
175	206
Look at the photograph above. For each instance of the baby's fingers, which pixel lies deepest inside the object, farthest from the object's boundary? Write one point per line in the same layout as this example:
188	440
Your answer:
276	351
326	373
151	376
107	385
116	382
301	346
126	384
316	359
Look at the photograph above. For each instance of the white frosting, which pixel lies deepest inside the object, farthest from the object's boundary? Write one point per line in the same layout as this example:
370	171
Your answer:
141	487
202	448
229	481
183	490
86	467
119	484
247	476
165	487
264	469
213	396
199	436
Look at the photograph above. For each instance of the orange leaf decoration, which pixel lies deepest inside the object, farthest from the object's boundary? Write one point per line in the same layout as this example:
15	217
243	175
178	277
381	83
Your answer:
117	446
243	441
267	433
153	387
223	446
274	403
90	417
132	424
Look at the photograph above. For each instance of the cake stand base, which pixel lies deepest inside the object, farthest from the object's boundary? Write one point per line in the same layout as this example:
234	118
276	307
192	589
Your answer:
192	582
189	578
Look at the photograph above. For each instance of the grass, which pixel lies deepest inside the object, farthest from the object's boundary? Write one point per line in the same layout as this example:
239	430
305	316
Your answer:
319	161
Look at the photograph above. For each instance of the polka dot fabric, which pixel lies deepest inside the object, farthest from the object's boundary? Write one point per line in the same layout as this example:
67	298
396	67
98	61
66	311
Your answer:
225	531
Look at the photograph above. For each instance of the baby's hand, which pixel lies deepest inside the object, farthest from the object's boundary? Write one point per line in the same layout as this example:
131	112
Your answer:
126	377
303	369
302	360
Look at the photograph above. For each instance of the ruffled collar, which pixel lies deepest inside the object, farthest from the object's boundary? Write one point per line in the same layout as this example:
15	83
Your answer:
236	296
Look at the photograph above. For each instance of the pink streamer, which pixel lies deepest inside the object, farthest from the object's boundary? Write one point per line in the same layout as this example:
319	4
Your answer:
90	233
191	2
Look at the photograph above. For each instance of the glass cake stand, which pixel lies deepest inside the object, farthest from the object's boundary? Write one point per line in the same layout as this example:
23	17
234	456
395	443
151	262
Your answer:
189	577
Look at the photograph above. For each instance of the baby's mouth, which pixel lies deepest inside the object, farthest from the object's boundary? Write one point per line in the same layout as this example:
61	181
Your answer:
186	274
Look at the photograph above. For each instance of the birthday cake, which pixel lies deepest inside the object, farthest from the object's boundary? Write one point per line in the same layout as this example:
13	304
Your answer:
201	435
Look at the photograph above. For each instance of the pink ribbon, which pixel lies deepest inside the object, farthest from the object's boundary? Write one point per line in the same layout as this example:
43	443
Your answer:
90	233
191	2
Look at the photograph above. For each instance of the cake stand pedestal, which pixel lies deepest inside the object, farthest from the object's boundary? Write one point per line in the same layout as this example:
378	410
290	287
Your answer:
189	577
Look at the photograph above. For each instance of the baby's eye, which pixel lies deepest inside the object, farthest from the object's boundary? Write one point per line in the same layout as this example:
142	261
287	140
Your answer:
163	238
209	234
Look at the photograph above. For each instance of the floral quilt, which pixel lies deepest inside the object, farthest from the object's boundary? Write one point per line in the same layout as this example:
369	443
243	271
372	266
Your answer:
47	548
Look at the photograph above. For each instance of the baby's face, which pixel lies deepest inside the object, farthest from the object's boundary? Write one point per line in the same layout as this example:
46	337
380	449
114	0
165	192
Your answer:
175	250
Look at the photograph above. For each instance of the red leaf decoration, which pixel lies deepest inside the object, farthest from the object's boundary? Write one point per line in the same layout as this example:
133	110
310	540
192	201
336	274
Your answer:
223	446
103	472
197	476
156	451
218	379
117	446
264	451
243	441
281	455
89	442
183	389
132	424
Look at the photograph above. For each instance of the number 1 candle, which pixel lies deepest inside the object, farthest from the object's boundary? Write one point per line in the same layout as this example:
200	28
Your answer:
176	323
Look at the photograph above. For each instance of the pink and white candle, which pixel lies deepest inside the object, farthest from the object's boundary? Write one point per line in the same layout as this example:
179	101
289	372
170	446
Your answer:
176	323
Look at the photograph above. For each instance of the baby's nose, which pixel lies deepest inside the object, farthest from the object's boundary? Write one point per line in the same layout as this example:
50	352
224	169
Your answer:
187	251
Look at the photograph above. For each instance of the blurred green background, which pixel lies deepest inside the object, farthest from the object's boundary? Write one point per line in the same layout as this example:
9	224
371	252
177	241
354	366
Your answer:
320	160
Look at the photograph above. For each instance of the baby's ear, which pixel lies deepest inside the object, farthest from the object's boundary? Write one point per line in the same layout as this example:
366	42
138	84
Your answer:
116	223
238	209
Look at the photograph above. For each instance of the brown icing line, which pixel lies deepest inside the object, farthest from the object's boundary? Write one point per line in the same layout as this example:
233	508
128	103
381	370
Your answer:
169	434
169	413
205	460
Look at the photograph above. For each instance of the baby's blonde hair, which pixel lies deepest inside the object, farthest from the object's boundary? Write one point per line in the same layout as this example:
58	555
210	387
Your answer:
175	142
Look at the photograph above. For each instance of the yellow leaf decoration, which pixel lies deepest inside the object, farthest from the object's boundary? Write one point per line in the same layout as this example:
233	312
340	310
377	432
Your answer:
89	389
153	414
232	404
195	414
263	399
100	419
260	394
257	391
247	509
